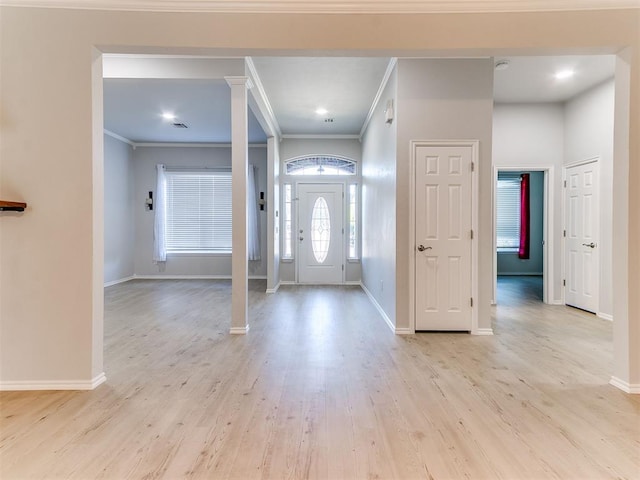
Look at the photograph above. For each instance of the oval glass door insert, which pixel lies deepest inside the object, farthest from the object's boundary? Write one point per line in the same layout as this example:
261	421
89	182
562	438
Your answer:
320	229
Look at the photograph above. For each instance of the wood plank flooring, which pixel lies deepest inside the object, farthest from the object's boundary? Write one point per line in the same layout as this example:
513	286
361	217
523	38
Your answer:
321	388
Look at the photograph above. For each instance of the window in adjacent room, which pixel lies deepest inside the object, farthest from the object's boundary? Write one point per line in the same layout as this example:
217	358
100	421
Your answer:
508	212
198	211
353	221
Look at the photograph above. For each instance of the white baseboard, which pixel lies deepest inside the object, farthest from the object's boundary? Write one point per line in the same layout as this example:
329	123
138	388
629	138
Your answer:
356	283
605	316
287	282
239	330
121	280
53	385
194	277
482	331
382	313
403	331
626	387
273	290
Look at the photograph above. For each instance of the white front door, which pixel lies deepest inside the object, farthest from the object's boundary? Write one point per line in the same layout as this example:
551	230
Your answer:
320	233
443	237
582	262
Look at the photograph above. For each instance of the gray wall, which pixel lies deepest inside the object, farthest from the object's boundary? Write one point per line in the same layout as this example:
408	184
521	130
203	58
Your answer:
379	204
508	262
589	133
145	160
119	237
295	147
447	99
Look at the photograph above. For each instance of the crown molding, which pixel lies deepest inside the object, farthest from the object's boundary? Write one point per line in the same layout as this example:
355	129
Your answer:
262	100
119	137
383	84
331	6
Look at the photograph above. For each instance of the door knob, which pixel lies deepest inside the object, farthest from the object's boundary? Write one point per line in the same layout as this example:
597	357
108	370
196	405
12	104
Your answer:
590	245
422	248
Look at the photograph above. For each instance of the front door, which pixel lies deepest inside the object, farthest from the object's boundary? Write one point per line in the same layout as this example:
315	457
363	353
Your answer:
443	237
582	235
320	233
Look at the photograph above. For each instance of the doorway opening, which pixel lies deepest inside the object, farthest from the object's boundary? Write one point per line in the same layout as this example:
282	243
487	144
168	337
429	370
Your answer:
523	236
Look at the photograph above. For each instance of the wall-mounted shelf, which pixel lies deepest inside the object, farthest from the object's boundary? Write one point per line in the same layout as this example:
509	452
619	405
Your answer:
12	206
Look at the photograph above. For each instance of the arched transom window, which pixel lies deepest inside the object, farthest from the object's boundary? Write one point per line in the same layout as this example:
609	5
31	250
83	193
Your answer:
320	165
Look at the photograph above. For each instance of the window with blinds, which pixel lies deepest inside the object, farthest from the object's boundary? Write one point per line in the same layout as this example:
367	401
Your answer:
198	211
508	212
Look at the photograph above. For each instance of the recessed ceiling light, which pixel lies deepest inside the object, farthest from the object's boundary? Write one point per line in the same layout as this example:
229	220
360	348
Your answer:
502	64
564	74
322	111
168	116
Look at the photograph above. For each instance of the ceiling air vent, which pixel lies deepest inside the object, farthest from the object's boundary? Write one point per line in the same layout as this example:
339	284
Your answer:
179	125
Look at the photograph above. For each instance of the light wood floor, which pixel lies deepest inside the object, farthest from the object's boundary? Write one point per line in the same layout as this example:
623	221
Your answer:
320	388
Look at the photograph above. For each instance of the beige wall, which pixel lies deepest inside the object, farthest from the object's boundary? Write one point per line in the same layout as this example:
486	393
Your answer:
51	256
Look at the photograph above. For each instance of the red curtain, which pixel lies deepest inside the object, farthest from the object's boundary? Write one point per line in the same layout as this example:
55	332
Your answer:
525	221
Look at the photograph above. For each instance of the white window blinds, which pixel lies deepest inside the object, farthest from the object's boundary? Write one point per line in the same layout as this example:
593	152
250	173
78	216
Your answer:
508	211
198	211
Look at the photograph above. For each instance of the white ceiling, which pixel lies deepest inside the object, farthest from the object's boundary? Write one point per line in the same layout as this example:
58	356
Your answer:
133	109
297	86
531	79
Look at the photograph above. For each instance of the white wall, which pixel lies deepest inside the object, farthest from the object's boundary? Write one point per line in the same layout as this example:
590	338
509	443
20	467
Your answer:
50	305
296	147
532	136
379	204
444	100
145	160
589	133
119	236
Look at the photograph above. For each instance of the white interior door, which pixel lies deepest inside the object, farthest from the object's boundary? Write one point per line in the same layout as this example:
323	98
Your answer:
582	232
443	238
320	233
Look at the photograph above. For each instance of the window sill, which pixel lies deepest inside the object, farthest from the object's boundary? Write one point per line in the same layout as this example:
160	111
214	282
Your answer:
353	260
507	250
287	260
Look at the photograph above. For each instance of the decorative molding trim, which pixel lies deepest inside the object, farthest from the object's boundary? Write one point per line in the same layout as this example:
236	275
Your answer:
605	316
382	313
239	330
273	290
304	136
376	99
353	283
633	388
234	80
193	145
482	331
54	384
117	137
262	96
121	280
331	6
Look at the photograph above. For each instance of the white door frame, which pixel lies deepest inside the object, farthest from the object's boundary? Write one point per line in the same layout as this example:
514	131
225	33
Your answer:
585	161
475	148
296	223
548	235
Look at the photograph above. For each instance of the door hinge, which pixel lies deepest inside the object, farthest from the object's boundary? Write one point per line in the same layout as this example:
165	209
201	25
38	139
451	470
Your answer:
343	268
564	233
565	184
473	166
564	283
343	231
471	234
471	301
